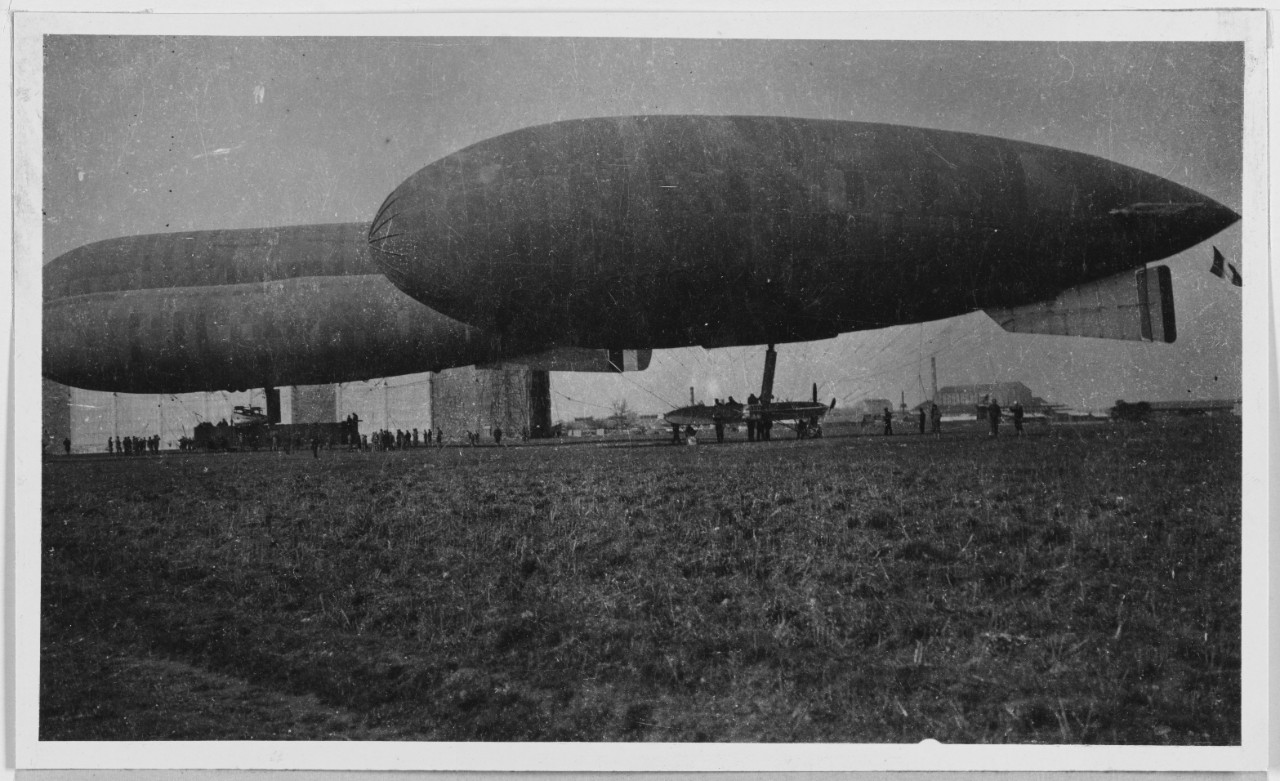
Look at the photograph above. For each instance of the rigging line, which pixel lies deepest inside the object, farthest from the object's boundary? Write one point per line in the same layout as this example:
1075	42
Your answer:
919	360
870	360
579	401
647	390
954	343
861	380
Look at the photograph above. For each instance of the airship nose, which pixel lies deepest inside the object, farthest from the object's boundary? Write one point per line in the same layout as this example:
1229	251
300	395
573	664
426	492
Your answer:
1169	226
1158	218
1207	215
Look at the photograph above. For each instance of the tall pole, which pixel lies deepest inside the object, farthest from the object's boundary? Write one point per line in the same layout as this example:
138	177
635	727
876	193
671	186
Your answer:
431	401
770	364
933	364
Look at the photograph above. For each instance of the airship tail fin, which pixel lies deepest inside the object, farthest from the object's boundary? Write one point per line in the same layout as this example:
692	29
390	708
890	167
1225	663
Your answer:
1134	307
581	359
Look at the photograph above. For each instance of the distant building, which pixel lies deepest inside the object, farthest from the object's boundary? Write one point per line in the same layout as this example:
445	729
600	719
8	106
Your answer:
1188	407
872	406
516	398
965	399
456	400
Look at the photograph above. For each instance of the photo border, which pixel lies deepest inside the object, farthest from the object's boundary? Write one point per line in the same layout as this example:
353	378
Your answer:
1257	385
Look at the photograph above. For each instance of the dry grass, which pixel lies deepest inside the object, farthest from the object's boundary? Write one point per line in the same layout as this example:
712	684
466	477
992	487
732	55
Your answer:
1077	586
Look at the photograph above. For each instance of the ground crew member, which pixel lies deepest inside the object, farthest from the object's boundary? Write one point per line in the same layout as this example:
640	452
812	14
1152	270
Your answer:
888	422
922	420
1016	409
935	414
993	416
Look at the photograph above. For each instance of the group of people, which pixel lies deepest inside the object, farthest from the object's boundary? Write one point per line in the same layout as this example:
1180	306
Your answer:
128	446
934	415
474	437
994	413
761	429
399	439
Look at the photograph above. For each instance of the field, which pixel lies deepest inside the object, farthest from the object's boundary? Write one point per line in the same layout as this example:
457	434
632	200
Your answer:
1078	585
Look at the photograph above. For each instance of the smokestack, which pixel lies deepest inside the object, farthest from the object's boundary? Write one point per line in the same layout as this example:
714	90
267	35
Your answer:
691	401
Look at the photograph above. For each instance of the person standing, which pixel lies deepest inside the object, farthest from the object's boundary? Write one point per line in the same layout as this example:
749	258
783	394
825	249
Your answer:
1016	409
888	422
993	416
751	421
921	411
935	415
66	445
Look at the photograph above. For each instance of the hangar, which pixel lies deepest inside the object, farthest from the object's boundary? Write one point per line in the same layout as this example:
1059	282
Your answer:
454	401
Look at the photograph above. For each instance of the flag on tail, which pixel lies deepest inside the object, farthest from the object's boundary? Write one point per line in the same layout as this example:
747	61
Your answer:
1217	268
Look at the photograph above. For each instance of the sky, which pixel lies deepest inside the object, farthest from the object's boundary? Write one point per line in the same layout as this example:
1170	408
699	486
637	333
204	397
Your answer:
152	134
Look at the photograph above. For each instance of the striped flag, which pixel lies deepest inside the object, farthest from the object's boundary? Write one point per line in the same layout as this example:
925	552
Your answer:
1217	268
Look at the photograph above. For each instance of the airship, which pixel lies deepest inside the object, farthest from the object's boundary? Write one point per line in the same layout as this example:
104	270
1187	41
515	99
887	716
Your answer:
255	308
585	244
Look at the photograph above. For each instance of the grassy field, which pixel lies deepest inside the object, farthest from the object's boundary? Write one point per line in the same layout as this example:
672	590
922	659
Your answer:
1080	585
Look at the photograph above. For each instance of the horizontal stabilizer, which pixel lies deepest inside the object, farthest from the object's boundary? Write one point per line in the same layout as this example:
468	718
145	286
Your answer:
1135	307
582	359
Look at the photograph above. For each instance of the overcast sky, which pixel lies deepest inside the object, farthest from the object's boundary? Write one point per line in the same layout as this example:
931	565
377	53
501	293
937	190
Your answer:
149	134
